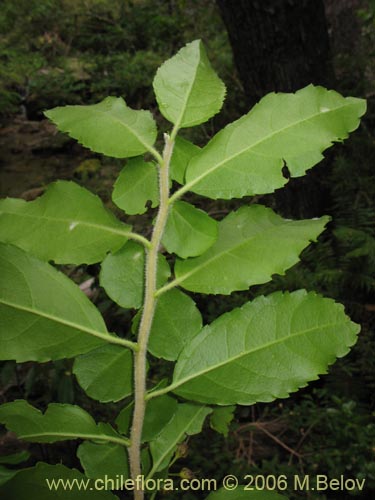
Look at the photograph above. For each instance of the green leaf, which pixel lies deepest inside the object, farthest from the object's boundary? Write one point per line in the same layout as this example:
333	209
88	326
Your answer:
68	224
45	482
109	127
187	89
176	321
122	275
44	315
15	458
146	461
253	244
221	418
135	322
59	423
135	186
264	350
187	420
124	418
247	156
6	475
159	412
105	374
183	152
99	460
189	231
241	494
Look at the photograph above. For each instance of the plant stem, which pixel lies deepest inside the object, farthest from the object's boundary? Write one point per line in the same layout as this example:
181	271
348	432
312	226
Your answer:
147	317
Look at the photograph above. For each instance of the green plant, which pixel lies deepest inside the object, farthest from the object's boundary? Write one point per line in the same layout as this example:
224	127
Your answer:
264	350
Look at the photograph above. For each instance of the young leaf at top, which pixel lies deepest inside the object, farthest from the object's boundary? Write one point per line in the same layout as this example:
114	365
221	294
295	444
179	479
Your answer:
253	244
189	231
221	418
247	156
159	412
187	420
43	315
68	225
135	186
264	350
241	494
109	127
122	275
41	483
106	373
60	422
187	89
104	458
183	152
176	322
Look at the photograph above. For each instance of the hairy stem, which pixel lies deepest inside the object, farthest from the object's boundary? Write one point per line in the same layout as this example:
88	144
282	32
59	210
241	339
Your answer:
147	317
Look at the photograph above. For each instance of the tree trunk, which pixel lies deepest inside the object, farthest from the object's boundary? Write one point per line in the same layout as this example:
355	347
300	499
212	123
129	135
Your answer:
282	45
278	45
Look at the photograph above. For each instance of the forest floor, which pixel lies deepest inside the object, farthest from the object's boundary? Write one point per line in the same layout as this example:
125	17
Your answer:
33	154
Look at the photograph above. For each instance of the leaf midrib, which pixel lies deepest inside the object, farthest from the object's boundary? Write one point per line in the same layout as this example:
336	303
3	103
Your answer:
37	312
127	127
188	94
72	435
194	181
110	114
81	222
187	275
180	382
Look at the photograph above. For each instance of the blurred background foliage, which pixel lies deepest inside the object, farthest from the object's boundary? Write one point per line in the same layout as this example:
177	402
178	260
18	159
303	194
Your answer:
59	51
56	52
